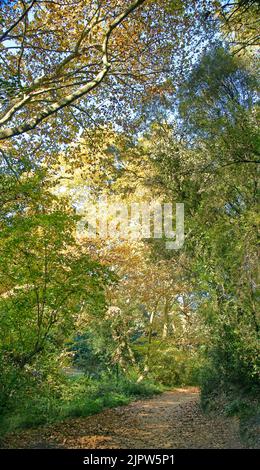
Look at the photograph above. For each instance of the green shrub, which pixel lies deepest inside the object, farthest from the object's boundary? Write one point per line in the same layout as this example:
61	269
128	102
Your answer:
70	397
173	366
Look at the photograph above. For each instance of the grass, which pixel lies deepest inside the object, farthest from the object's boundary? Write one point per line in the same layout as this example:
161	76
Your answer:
76	397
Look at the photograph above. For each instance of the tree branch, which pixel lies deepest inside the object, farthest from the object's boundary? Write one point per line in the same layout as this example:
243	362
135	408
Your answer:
70	98
5	34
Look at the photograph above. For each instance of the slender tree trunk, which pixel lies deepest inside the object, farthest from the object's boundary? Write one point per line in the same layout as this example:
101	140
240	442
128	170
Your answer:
147	358
166	319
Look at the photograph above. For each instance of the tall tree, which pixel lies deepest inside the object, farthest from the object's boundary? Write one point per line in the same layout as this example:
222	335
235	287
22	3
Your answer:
55	53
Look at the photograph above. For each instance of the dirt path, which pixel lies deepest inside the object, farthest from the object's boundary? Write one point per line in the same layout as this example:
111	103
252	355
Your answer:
171	420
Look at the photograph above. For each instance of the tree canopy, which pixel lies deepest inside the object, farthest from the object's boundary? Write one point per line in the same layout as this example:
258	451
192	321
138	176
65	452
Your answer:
141	103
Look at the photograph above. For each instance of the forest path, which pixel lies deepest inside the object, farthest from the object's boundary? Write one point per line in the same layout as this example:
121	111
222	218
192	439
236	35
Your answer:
171	420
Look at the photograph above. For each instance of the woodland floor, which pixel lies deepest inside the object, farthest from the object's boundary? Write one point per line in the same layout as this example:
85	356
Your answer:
171	420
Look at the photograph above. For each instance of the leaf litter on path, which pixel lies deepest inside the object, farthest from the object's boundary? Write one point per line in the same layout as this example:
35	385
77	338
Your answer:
173	419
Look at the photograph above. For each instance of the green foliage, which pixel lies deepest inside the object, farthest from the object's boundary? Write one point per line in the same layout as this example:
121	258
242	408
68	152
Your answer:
49	284
128	315
69	397
173	366
92	351
209	161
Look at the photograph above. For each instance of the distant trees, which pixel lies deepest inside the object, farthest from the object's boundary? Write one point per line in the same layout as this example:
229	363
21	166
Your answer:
211	162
